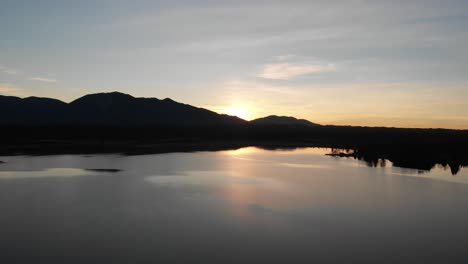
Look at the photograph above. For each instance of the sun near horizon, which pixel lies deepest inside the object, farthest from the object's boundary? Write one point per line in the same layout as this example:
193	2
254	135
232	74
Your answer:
400	64
239	111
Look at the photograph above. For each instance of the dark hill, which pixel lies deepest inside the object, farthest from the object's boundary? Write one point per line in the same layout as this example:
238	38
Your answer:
282	120
115	109
31	110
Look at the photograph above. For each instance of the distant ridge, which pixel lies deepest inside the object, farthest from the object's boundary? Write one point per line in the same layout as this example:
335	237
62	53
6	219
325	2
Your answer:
108	109
282	120
120	123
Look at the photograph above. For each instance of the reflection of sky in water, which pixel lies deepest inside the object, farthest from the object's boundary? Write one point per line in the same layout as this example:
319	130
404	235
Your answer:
238	204
53	172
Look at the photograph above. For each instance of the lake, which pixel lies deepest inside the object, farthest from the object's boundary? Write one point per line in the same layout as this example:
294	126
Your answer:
238	206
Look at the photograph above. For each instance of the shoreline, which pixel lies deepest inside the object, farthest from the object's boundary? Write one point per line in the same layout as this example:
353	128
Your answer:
418	155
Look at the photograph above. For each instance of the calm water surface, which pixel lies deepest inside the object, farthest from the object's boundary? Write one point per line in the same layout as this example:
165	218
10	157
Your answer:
242	206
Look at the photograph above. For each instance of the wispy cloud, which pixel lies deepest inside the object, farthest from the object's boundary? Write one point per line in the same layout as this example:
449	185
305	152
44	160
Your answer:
8	70
256	88
43	79
286	71
11	72
285	57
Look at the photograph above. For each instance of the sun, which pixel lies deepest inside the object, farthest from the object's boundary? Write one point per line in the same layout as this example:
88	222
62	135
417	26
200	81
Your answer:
238	111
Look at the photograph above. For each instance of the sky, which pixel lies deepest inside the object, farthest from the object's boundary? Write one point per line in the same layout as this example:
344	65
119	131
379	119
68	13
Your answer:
355	62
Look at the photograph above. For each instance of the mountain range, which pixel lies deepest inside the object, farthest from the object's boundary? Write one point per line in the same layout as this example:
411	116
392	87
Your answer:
119	123
121	110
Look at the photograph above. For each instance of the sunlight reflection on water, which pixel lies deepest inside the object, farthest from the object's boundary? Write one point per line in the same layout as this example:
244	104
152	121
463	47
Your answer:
241	204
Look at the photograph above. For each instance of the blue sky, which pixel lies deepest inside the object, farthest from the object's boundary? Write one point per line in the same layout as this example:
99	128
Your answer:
356	62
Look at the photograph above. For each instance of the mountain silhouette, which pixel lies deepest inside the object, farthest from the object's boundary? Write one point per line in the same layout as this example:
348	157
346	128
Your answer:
108	109
117	122
31	110
282	120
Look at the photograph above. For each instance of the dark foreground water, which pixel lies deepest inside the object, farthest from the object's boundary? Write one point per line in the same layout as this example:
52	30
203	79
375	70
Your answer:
244	206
